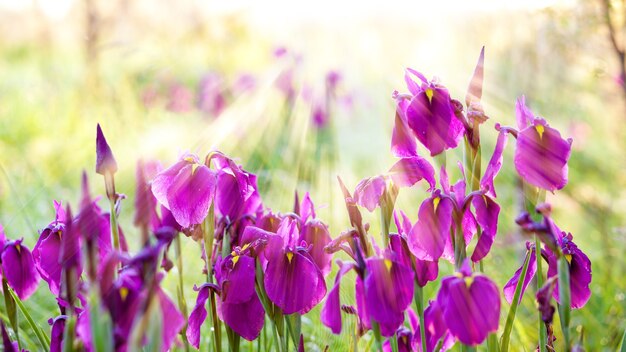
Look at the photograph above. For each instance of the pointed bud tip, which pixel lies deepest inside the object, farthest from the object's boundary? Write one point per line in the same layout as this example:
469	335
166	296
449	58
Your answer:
105	161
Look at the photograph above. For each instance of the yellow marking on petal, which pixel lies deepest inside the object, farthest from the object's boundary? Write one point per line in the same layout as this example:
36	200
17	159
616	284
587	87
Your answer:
405	340
18	247
189	159
59	233
289	256
124	293
429	94
468	281
388	264
540	129
458	274
194	167
436	203
245	246
235	259
568	257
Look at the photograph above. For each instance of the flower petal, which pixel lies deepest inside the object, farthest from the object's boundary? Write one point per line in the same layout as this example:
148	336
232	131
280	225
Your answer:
408	171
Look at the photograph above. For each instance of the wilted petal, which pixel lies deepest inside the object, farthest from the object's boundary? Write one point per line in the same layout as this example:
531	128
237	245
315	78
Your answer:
368	192
495	163
331	311
19	269
541	156
431	233
293	282
509	288
408	171
388	292
487	211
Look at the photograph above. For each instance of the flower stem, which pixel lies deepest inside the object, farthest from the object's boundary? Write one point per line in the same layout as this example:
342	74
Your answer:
419	305
181	300
114	228
508	326
542	331
565	296
377	336
31	322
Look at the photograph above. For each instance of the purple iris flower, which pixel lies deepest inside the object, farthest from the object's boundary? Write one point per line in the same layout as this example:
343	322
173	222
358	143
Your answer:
292	280
425	270
450	209
471	305
429	116
238	304
541	154
404	173
211	95
47	250
315	234
187	189
557	243
19	267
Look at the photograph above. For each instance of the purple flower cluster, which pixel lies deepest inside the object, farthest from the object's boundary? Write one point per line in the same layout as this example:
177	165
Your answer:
261	266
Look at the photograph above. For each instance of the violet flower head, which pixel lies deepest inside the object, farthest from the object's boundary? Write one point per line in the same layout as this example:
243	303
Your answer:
236	189
105	161
431	233
187	189
292	279
424	270
19	268
47	250
470	304
429	115
541	154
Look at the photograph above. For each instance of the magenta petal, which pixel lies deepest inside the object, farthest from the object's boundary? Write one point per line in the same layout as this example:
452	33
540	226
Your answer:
246	319
431	117
238	286
294	283
402	138
190	194
408	171
105	161
19	269
426	271
331	311
46	255
361	305
580	275
307	209
368	192
522	113
495	163
509	288
316	235
471	308
412	86
541	156
388	292
431	233
173	320
197	316
163	181
56	333
487	211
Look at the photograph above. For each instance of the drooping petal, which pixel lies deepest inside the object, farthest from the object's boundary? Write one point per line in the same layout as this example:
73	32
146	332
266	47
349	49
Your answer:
487	211
246	319
190	194
46	255
19	269
471	307
388	292
164	180
408	171
403	142
293	282
173	320
495	163
198	316
579	271
331	311
431	117
509	288
316	235
431	233
368	192
412	86
541	156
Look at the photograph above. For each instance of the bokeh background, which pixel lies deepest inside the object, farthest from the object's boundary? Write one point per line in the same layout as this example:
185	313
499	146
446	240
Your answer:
148	72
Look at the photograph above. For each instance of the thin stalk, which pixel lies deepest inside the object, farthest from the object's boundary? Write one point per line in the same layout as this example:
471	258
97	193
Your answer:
68	334
565	297
459	244
31	322
181	301
384	224
394	342
114	228
543	338
377	336
9	304
419	305
508	326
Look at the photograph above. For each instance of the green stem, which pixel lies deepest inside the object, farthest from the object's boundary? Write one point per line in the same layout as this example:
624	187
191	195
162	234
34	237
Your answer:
394	342
114	228
31	322
419	305
9	304
542	331
377	336
459	244
508	326
182	303
565	297
68	334
384	224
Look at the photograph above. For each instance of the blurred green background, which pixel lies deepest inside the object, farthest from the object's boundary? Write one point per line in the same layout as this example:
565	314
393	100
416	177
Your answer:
67	65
